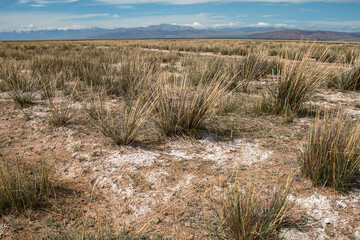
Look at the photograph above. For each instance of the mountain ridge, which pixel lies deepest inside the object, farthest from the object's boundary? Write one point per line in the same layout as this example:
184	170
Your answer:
177	31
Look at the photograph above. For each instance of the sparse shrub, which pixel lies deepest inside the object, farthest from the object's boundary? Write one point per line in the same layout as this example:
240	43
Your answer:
295	84
123	126
181	108
23	186
245	214
332	152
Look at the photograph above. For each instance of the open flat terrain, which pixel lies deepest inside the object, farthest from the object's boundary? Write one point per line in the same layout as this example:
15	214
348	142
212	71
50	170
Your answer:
114	122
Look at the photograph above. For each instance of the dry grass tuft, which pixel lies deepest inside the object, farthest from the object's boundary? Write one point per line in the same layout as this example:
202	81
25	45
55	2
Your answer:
295	84
251	68
245	214
23	186
122	127
18	82
332	153
349	79
181	108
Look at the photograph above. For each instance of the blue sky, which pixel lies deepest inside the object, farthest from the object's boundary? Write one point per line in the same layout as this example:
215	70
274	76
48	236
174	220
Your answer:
64	14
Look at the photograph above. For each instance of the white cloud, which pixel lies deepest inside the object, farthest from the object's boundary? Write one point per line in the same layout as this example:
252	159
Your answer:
268	15
219	25
283	25
194	25
125	7
47	20
35	3
207	1
352	26
90	15
278	25
337	23
261	24
43	20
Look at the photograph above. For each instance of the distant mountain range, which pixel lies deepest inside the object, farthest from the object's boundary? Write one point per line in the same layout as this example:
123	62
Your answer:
175	31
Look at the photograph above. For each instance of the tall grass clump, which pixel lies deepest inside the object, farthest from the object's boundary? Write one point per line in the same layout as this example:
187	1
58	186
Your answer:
60	112
131	77
23	186
295	84
245	214
202	68
18	82
349	78
122	126
181	107
251	68
332	152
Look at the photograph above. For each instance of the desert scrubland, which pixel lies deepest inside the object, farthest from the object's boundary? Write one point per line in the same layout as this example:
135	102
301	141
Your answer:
179	139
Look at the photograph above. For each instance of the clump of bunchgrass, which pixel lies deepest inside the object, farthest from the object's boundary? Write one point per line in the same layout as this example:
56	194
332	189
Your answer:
122	126
181	108
60	112
295	84
131	77
332	152
349	78
202	68
23	185
17	82
251	68
246	214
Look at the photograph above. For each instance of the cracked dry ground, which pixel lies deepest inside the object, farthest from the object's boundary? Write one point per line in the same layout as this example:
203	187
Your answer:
166	187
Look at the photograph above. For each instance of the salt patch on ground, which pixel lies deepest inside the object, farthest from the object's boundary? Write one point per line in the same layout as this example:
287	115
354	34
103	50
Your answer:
240	151
182	154
181	185
251	152
4	96
328	105
35	121
111	184
140	210
141	158
320	209
324	217
342	97
156	177
76	106
352	112
293	234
